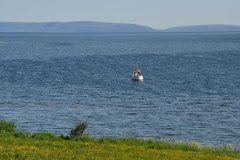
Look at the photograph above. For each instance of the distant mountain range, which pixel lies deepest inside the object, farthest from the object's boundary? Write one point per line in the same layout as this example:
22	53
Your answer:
81	26
205	28
101	27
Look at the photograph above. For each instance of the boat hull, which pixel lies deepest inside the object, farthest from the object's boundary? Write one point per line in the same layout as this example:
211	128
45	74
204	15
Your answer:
137	78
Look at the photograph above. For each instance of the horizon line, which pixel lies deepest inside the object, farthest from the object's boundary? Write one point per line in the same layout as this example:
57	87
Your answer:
121	23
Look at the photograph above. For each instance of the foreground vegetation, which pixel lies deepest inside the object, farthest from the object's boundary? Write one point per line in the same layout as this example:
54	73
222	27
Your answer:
22	145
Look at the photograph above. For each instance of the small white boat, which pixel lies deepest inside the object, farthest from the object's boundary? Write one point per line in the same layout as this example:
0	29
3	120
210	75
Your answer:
137	75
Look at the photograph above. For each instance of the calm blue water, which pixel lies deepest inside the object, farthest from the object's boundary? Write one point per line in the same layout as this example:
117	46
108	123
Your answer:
191	89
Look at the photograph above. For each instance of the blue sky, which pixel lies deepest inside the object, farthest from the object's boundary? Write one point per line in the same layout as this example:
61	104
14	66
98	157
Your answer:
154	13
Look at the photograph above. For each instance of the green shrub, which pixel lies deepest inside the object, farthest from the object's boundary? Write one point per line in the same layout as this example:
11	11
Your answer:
84	138
44	136
67	138
62	136
107	140
3	133
6	126
79	129
226	148
22	135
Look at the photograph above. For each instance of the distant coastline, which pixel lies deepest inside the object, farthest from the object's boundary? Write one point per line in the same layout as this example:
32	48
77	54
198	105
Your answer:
205	28
104	27
73	27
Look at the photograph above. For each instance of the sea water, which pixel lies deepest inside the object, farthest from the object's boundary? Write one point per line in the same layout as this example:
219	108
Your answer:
191	87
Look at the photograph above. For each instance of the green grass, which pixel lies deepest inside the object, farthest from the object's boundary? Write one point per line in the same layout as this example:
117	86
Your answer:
46	146
53	147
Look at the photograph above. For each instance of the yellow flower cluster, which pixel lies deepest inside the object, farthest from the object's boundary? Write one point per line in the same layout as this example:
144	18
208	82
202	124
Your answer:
32	149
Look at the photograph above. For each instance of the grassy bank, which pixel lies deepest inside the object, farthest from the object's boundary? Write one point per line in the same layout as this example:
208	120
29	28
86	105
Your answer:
20	145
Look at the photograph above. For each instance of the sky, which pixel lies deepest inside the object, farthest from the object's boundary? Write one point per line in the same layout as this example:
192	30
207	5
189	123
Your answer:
159	14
